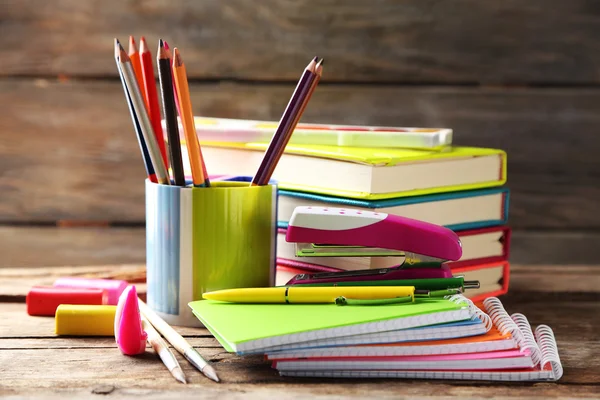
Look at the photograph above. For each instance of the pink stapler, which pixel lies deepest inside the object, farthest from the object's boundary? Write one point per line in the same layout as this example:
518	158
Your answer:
337	232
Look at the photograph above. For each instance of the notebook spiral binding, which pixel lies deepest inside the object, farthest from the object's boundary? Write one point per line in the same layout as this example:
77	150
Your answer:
473	309
549	349
502	320
529	342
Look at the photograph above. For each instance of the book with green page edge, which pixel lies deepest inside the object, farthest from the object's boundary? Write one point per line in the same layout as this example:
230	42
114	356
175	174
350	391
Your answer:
252	327
364	173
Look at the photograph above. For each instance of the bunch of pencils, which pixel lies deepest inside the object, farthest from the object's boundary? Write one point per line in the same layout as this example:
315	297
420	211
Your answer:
137	76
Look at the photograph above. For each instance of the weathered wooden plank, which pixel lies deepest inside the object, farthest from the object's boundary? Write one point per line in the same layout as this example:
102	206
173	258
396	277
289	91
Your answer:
51	246
81	159
413	41
560	248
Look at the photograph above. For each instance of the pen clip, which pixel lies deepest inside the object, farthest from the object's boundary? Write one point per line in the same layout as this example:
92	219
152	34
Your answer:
343	301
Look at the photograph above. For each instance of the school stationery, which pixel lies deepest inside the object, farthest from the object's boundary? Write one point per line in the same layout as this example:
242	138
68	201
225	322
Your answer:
178	342
429	284
136	124
129	335
310	295
196	160
462	210
493	277
480	246
248	131
367	173
292	114
85	320
136	63
161	348
151	98
340	232
43	300
175	95
536	347
113	287
168	104
141	113
255	327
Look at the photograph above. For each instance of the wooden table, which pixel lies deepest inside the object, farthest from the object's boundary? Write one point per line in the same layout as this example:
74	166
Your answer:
35	362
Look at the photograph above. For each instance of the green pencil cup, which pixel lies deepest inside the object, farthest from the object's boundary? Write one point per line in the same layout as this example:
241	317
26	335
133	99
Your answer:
204	239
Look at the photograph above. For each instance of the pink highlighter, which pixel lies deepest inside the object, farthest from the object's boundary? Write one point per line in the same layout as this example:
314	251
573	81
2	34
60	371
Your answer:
129	333
338	232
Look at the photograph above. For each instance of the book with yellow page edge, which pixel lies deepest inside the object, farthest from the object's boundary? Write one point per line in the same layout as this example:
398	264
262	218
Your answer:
364	173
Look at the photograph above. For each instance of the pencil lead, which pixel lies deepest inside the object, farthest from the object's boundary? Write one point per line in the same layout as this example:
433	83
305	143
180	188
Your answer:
322	62
166	44
161	43
132	45
316	59
123	57
143	45
117	46
177	60
162	53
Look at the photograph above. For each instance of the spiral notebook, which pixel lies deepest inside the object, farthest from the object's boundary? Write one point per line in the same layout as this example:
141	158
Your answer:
244	328
535	359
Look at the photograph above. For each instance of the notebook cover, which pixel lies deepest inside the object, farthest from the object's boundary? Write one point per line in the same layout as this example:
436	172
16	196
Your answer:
401	201
237	323
379	157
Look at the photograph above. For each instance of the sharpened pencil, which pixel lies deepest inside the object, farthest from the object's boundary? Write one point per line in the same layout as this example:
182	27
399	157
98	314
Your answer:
134	119
152	97
168	102
170	56
287	123
133	88
161	348
136	63
199	175
177	341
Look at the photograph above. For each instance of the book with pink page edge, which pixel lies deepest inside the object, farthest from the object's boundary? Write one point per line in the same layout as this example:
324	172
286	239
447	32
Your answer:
535	359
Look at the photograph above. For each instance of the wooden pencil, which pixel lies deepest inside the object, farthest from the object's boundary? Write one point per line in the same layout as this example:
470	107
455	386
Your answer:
168	102
137	101
134	119
168	49
286	126
136	63
162	350
199	175
152	96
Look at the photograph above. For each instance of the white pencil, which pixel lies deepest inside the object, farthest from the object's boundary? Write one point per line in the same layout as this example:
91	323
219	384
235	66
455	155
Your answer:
178	342
162	350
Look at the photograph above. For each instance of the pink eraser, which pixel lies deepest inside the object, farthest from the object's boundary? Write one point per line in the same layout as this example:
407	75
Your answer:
129	333
113	287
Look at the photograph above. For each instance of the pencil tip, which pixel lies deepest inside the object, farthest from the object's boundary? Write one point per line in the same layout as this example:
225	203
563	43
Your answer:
143	45
132	45
177	60
166	45
210	373
161	43
178	374
322	61
316	59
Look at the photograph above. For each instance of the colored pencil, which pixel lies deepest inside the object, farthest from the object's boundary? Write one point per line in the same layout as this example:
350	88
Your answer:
168	49
199	175
168	102
133	88
293	111
161	348
177	341
136	63
152	96
134	119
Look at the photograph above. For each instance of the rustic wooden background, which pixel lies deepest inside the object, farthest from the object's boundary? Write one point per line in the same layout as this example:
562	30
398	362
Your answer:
522	76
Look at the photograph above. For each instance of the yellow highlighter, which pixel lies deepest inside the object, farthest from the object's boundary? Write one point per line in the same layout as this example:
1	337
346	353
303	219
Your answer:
311	295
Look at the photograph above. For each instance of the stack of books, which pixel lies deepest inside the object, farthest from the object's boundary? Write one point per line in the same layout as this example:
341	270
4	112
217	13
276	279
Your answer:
456	187
445	338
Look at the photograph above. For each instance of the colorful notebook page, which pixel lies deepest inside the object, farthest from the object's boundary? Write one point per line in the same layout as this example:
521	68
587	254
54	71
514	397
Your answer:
493	340
448	330
509	359
253	327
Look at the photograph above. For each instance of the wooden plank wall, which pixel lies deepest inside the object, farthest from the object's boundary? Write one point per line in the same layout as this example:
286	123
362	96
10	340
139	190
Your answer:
522	76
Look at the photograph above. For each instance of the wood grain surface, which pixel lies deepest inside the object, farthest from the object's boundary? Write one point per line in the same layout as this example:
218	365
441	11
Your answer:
30	352
79	164
465	41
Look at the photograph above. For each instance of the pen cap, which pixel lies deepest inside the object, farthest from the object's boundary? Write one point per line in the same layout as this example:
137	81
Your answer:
85	320
112	286
129	333
43	300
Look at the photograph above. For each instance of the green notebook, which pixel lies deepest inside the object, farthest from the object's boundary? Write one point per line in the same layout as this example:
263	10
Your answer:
245	328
